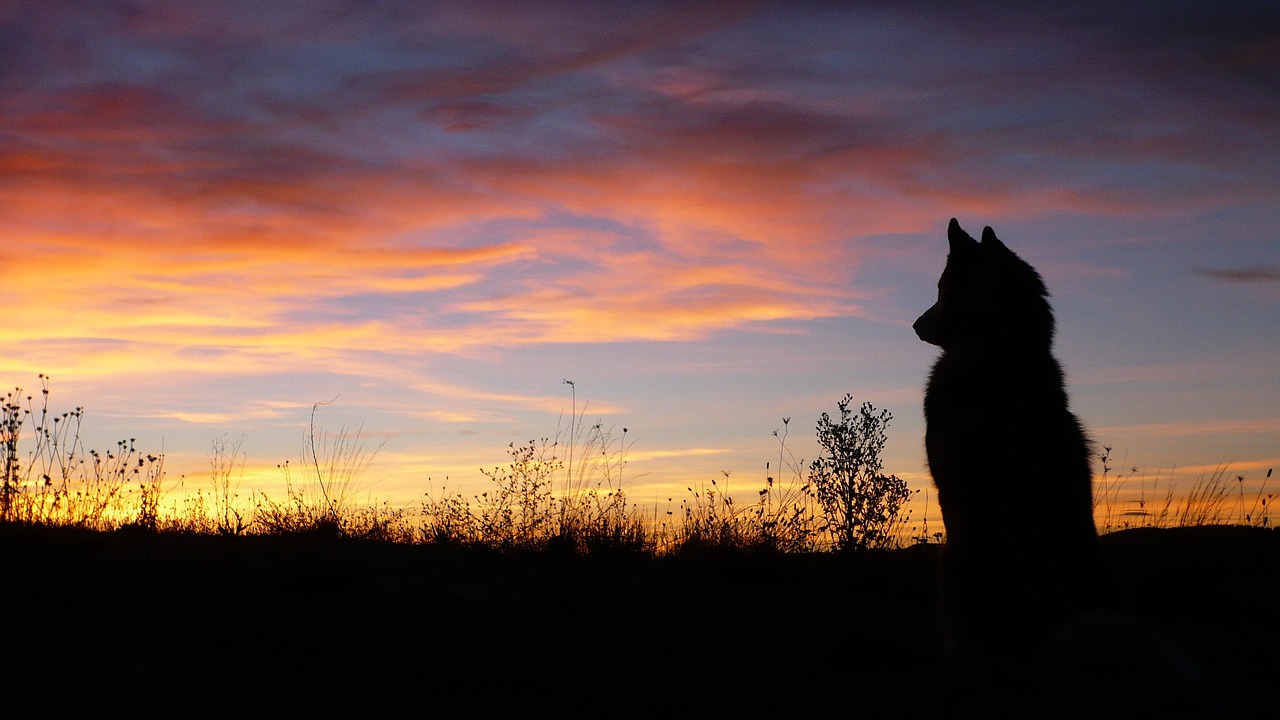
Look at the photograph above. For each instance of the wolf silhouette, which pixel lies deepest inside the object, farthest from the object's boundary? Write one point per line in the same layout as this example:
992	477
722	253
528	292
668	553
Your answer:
1010	461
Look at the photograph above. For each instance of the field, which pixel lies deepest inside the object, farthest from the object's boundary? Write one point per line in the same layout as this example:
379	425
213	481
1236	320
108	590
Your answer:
172	624
550	594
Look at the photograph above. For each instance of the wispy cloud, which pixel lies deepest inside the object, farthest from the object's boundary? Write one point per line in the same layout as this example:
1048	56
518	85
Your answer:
1190	429
1254	274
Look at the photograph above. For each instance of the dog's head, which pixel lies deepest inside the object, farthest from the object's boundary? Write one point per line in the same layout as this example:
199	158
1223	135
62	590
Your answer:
987	295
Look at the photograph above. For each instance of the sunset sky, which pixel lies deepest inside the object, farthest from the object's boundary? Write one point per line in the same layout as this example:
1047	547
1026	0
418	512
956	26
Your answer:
708	216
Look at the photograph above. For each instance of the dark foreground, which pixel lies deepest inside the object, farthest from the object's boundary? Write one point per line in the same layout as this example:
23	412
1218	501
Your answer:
173	626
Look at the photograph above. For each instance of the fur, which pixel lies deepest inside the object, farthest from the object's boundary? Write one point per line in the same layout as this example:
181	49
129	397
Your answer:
1010	461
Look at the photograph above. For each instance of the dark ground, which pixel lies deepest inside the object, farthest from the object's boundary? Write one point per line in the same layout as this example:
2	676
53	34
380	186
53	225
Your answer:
179	626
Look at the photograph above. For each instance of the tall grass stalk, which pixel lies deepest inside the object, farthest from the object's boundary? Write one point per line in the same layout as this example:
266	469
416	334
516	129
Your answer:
323	499
226	471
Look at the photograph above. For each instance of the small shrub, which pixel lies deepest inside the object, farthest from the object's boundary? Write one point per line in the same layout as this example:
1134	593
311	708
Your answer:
862	506
520	511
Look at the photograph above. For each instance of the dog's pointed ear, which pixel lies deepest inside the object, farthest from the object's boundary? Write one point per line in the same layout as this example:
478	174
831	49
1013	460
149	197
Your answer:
990	240
959	240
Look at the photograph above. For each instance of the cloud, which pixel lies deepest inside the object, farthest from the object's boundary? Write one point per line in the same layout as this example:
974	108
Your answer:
1197	429
237	189
642	455
1253	274
224	419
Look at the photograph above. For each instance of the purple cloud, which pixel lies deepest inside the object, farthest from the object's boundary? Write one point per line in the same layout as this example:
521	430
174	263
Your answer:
1253	274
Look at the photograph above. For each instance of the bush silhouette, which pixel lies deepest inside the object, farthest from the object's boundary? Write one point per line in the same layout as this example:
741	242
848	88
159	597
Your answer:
863	506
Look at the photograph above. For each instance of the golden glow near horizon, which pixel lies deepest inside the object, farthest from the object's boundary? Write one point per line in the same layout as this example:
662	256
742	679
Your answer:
210	220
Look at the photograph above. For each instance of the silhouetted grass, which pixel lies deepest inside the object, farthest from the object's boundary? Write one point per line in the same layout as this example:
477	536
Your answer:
59	482
1131	500
563	495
